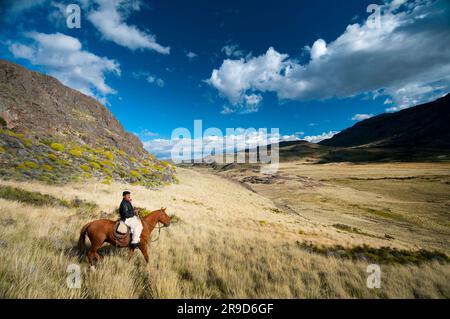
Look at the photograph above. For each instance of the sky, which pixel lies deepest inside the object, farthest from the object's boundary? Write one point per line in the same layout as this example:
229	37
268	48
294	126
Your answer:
308	68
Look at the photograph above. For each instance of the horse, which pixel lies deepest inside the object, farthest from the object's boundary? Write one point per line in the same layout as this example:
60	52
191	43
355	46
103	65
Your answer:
101	231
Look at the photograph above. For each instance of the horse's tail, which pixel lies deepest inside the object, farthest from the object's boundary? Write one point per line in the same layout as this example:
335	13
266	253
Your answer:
81	240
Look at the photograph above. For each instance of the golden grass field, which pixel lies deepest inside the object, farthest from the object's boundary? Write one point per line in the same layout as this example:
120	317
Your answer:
231	242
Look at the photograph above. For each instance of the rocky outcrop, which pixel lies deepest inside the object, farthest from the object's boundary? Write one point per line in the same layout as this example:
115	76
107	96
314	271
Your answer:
54	133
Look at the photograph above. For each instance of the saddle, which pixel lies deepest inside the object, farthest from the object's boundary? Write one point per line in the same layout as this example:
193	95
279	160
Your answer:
121	234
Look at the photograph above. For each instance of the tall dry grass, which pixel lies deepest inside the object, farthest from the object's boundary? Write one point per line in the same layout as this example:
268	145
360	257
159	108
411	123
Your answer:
228	243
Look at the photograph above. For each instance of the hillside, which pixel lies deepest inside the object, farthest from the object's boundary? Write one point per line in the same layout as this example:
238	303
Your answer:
53	133
422	126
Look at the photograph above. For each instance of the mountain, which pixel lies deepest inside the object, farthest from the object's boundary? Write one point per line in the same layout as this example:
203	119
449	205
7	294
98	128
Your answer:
53	133
422	126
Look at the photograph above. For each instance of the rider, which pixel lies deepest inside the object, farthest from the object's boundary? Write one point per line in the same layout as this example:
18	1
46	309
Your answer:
128	215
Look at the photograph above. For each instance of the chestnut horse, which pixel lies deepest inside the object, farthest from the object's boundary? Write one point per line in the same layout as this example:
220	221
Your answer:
100	231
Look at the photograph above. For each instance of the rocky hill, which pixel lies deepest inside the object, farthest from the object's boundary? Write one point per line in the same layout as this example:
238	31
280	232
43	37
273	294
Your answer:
422	126
56	134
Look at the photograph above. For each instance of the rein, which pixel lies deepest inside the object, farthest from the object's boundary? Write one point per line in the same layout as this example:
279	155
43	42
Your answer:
159	233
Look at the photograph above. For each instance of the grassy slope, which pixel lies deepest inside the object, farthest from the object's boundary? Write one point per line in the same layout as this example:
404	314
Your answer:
230	242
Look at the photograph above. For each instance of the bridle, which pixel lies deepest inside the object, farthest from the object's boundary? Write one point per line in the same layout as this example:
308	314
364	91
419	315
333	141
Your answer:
159	232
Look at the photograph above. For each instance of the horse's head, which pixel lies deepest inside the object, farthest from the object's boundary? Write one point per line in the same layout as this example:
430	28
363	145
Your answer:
163	217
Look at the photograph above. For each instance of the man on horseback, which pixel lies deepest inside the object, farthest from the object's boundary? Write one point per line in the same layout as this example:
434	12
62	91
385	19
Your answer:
128	215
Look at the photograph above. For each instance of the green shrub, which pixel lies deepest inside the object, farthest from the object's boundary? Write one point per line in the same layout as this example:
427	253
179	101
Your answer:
53	157
14	134
135	174
31	165
57	147
94	165
85	167
108	155
76	152
21	195
106	163
27	142
106	170
2	150
87	175
48	167
144	170
22	167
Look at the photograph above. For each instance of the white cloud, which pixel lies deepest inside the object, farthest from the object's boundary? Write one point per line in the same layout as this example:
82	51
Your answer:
109	18
239	141
232	50
360	117
62	56
318	49
407	60
157	81
191	55
236	77
150	78
320	137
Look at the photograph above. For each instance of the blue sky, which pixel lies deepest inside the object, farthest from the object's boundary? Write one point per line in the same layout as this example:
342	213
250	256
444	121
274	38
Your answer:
309	68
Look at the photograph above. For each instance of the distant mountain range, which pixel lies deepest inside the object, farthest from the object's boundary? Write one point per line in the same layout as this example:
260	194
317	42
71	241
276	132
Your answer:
423	126
56	134
419	133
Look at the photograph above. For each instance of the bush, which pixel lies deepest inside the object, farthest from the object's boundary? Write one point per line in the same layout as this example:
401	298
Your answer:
86	175
27	142
48	167
53	157
14	134
31	165
76	152
108	155
85	167
57	147
39	199
2	150
94	165
106	163
135	174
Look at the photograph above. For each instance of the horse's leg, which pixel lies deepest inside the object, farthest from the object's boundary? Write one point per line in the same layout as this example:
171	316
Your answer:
143	249
93	252
98	256
90	255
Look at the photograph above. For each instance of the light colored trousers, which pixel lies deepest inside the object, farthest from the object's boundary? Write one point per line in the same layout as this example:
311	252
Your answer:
136	228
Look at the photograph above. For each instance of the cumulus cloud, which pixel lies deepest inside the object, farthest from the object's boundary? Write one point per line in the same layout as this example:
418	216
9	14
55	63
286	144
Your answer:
406	59
319	137
237	77
62	56
109	18
360	117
